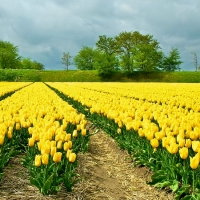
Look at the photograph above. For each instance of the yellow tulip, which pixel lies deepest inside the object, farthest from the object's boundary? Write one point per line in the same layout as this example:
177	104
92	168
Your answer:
1	139
194	162
68	153
181	143
70	144
78	127
154	143
149	135
17	126
53	151
164	142
119	130
45	159
193	135
75	133
72	157
31	142
53	143
188	143
38	160
57	157
59	144
66	146
83	132
173	148
141	132
68	137
9	134
196	146
183	152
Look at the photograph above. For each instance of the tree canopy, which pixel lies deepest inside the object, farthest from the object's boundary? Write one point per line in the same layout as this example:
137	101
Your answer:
10	58
85	58
128	52
173	61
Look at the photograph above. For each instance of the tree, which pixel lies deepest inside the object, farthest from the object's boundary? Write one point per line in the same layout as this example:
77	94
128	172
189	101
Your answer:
137	51
9	57
66	60
38	66
27	63
85	58
173	61
106	45
106	60
195	61
106	64
147	56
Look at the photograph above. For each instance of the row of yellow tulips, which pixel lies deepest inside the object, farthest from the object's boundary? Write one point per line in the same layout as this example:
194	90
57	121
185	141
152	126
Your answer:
40	110
176	127
6	87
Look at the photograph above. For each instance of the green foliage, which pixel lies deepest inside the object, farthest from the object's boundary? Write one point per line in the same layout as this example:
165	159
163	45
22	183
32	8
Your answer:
27	63
173	61
106	45
138	52
9	57
106	64
147	57
92	76
84	60
66	60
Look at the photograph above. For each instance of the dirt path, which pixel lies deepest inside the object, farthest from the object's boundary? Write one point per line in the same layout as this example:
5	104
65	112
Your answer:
106	173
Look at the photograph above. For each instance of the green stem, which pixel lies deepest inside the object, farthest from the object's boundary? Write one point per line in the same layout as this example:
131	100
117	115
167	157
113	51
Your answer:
193	182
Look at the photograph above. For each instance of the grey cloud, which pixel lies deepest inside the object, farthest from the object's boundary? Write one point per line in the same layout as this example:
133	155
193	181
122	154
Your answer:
43	30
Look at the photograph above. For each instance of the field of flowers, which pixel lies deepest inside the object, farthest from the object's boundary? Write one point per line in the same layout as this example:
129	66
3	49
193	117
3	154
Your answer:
51	132
157	123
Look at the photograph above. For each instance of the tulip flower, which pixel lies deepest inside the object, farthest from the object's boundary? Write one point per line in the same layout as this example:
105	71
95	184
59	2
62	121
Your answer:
119	130
68	137
66	146
31	142
83	132
75	133
173	148
53	151
183	153
59	144
38	160
45	159
188	143
181	142
196	146
194	162
154	143
17	126
164	142
72	157
9	134
1	139
68	153
70	144
57	157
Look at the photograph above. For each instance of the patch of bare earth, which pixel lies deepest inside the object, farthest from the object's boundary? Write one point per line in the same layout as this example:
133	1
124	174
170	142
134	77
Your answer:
106	173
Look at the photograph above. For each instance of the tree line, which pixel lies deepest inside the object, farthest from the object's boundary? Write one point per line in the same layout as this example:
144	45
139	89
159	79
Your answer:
127	52
10	58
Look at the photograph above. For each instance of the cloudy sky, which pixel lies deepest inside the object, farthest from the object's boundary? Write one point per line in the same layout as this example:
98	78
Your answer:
44	29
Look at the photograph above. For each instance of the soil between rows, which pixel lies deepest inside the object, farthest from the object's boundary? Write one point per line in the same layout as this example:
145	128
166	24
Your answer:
106	173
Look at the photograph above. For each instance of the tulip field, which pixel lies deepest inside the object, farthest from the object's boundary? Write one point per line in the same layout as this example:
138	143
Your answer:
157	123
